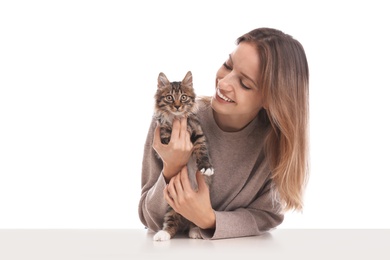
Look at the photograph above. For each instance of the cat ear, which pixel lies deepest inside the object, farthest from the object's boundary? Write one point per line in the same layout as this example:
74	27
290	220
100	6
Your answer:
187	81
162	80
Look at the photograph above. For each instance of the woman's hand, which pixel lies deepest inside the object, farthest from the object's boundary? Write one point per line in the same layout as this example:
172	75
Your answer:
193	205
177	152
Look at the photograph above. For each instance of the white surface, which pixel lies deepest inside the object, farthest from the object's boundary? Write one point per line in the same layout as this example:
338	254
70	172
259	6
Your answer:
138	244
77	80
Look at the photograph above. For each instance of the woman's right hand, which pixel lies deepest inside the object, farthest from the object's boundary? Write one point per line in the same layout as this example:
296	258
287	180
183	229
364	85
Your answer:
177	152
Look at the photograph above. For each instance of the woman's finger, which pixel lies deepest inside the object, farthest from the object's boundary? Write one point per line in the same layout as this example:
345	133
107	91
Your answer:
183	127
178	185
189	144
172	189
201	181
185	181
175	134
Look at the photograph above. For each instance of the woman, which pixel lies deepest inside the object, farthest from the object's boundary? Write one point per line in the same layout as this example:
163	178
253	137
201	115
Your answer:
256	125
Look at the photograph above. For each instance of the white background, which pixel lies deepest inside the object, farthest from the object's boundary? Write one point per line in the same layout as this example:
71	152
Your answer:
77	80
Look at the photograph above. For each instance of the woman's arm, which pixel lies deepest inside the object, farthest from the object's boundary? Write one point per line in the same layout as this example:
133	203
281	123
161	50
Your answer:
152	206
261	215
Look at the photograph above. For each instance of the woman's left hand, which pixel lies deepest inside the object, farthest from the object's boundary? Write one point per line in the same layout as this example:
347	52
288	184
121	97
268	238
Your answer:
193	205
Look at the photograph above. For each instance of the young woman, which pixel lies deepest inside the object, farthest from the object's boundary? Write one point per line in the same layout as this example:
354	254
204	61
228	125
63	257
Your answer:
256	125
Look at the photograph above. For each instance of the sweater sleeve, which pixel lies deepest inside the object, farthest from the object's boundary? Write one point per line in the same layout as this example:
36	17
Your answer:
260	216
152	205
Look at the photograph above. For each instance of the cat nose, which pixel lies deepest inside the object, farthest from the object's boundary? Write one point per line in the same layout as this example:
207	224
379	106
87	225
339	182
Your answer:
177	107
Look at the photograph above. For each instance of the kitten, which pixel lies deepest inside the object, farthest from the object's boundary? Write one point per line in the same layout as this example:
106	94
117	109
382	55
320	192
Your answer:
177	100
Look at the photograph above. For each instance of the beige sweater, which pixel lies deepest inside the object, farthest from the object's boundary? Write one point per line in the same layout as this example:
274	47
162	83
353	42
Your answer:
241	193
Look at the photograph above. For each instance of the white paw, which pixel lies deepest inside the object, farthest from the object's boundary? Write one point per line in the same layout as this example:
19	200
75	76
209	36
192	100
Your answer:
161	236
195	233
208	171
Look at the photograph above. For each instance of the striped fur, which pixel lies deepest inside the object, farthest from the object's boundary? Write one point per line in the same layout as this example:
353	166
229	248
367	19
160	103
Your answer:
176	100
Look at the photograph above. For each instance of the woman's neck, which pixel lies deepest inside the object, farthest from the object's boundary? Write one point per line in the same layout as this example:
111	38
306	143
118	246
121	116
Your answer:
229	123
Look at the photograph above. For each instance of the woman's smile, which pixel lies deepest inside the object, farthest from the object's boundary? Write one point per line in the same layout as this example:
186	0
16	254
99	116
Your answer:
222	98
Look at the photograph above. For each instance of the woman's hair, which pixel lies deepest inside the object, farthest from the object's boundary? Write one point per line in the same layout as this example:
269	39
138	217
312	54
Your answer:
284	77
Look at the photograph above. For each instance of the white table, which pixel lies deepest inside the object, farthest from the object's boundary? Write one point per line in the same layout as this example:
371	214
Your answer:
138	244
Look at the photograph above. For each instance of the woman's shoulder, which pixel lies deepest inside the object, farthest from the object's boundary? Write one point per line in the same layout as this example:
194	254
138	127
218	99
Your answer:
203	102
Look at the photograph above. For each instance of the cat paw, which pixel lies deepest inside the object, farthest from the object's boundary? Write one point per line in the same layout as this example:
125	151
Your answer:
161	236
195	233
207	172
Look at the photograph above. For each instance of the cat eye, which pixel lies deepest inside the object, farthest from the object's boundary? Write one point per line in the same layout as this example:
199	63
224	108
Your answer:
183	98
169	98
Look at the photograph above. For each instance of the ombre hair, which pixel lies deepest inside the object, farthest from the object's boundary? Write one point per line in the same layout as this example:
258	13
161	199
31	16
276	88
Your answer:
284	77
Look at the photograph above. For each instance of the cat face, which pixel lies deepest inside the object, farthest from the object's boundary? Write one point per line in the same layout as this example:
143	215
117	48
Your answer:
175	98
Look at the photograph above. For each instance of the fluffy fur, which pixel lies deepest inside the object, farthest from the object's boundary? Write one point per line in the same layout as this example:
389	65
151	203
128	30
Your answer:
176	100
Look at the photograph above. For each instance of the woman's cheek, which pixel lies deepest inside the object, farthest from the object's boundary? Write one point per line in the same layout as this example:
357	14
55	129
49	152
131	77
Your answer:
220	75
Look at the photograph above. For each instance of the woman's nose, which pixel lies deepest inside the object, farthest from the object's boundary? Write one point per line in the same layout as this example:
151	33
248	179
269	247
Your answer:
226	82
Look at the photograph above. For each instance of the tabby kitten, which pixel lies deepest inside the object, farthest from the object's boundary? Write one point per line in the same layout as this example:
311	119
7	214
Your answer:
177	100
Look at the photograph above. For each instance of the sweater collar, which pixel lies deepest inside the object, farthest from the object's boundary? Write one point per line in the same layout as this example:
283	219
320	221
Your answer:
218	132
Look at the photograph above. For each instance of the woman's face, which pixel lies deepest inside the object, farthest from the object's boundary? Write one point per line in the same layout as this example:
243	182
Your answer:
237	84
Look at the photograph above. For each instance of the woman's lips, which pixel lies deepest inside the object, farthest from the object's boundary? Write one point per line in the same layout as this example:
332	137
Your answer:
223	97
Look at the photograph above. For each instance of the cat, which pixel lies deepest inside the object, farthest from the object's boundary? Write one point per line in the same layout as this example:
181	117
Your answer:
176	99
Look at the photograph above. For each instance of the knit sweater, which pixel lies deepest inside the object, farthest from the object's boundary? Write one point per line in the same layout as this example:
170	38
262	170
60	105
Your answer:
241	194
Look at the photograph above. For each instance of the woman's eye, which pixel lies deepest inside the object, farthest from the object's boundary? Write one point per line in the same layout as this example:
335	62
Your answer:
169	98
227	66
183	98
243	85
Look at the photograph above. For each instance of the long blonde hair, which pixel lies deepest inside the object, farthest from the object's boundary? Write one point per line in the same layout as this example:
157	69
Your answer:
284	75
